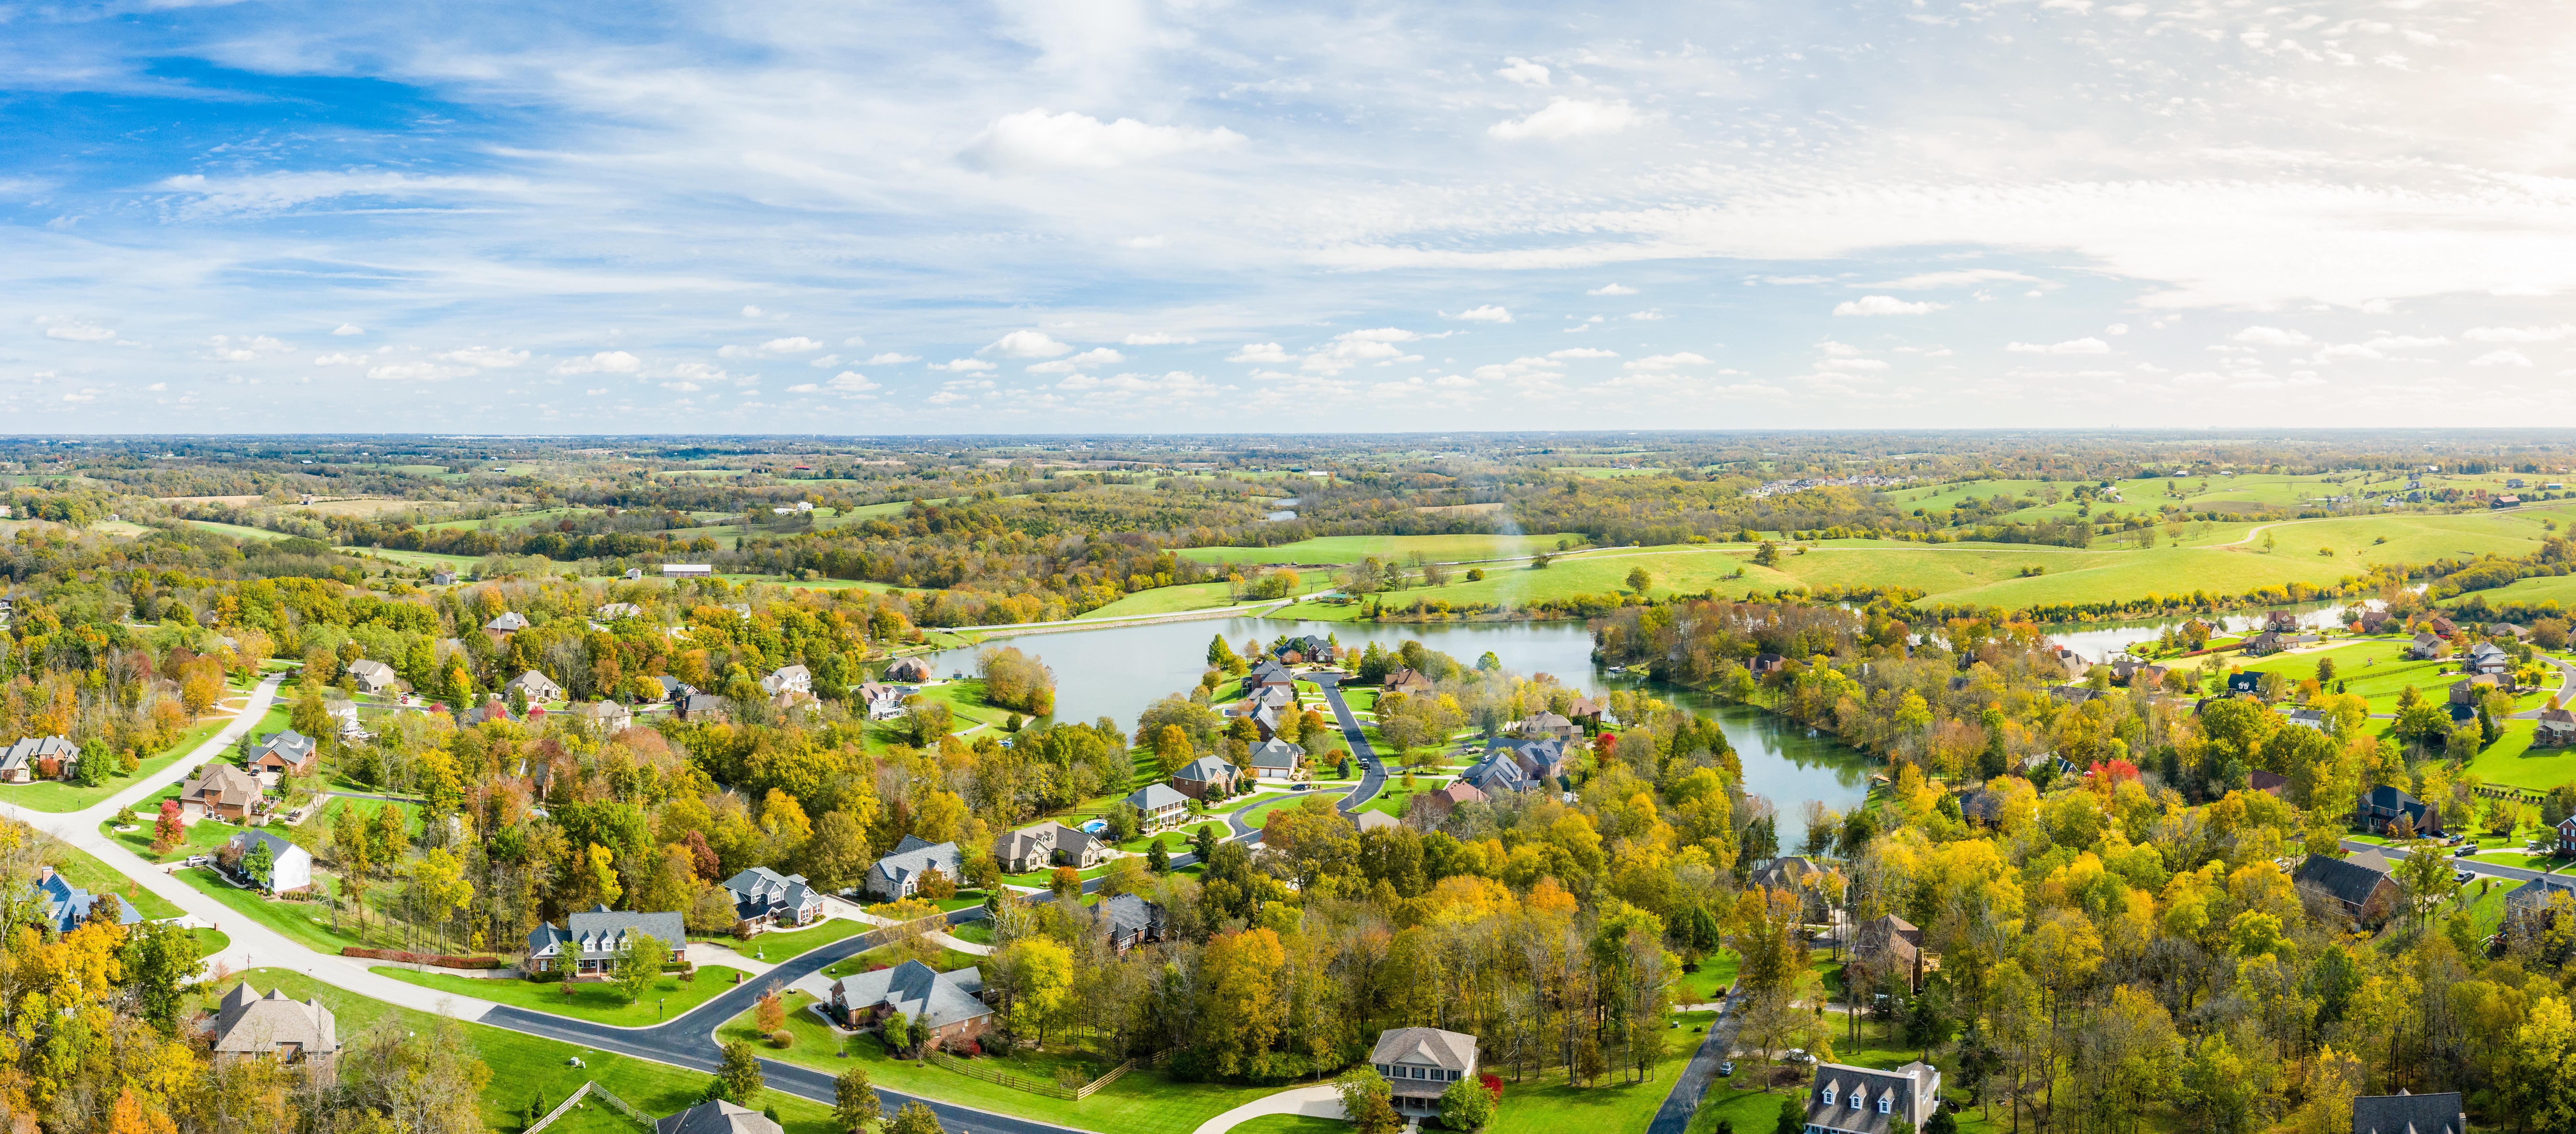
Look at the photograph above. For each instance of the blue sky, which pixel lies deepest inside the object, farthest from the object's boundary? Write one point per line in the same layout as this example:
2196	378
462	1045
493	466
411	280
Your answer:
1098	216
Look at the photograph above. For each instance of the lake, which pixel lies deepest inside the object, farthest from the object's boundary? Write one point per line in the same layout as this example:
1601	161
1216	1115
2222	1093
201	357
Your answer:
1116	671
2097	641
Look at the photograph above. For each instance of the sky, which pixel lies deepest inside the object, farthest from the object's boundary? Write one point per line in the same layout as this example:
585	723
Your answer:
1096	215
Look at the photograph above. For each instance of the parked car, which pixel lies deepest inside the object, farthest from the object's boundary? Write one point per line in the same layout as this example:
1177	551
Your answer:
2462	877
1726	1068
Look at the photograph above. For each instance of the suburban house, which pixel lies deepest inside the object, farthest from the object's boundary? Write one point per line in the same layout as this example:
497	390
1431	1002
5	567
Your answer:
716	1116
2427	647
2280	620
2359	884
794	677
2567	835
18	762
442	578
371	676
1368	821
2313	720
884	702
2526	906
606	716
897	875
763	895
950	1004
293	1032
1893	948
221	791
493	709
673	688
1129	921
290	866
344	714
2404	1113
688	570
1774	663
1539	759
538	688
590	940
1784	872
1858	1100
2245	684
1158	806
911	671
2269	783
65	906
612	611
2443	626
702	707
1419	1063
1306	648
503	625
1205	776
1585	709
2382	807
287	753
1276	759
1435	806
2468	690
1497	772
2267	642
2487	657
2509	630
1271	675
1047	844
2374	621
1544	725
1405	680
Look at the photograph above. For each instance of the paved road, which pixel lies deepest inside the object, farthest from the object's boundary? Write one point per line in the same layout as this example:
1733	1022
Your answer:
1373	775
2498	869
1674	1116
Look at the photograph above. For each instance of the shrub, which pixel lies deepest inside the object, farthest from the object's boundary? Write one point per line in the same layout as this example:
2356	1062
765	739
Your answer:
782	1038
442	960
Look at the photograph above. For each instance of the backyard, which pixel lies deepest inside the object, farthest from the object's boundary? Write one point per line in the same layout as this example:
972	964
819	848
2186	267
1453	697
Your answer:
596	1001
1546	1104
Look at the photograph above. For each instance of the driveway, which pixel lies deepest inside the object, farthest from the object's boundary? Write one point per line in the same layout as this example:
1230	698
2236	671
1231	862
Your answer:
1319	1101
1674	1117
1373	777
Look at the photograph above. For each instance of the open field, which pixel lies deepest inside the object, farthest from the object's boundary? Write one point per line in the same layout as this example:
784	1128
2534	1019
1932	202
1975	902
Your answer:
2375	668
238	531
1612	1105
1195	596
1352	549
2560	589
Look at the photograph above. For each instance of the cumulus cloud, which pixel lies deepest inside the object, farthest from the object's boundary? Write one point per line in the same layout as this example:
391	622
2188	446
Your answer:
797	344
1583	352
1568	118
962	365
1039	140
1969	277
1099	356
1158	338
488	358
240	348
341	358
1612	289
348	329
1025	344
604	362
891	358
848	384
1261	352
2071	346
1485	314
2271	336
423	370
158	387
1523	71
1171	384
2549	334
2507	357
1351	348
1663	362
1885	305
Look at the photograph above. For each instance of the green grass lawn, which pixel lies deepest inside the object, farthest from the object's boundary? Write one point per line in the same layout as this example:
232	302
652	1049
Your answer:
1547	1105
81	869
308	923
1710	982
1194	596
597	1002
1392	796
948	961
56	796
1291	1124
1260	813
210	941
1352	549
776	946
2374	668
202	837
974	931
2513	762
1144	1101
527	1069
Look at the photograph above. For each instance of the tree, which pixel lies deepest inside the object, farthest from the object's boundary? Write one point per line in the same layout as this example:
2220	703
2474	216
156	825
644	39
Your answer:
1157	858
855	1107
1768	555
1036	978
259	863
1466	1105
914	1118
1639	579
169	829
769	1013
1793	1112
639	963
160	959
1368	1101
738	1080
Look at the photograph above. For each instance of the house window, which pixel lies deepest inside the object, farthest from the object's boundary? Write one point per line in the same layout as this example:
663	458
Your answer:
1829	1096
1883	1102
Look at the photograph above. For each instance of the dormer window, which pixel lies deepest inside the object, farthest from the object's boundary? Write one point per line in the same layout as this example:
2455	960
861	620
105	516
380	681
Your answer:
1856	1100
1829	1096
1885	1102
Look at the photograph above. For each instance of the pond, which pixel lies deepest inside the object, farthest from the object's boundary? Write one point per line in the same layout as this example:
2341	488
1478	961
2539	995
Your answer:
2097	641
1116	671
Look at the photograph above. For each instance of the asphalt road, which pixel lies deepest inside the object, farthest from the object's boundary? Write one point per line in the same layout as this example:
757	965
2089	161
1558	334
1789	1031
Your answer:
1674	1117
2500	870
1373	777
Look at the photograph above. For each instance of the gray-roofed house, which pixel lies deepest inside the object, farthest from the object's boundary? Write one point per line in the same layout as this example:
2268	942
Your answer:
1368	821
503	625
1047	844
2529	901
2381	808
286	753
606	716
372	676
1205	776
612	611
222	792
910	671
673	688
1893	947
589	941
1158	806
2312	719
786	677
18	761
292	1032
1500	771
897	875
2486	658
1276	759
703	708
1435	806
2404	1113
716	1116
290	867
1419	1063
1843	1099
1784	872
764	896
66	906
2427	647
1129	920
2557	727
538	687
2360	884
949	1004
1547	724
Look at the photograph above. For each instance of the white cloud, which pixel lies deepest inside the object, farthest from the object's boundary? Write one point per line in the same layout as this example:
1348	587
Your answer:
1158	338
2272	336
1523	71
890	358
604	362
596	391
84	396
1171	384
2070	346
796	345
348	329
1663	362
1025	344
1261	352
341	358
751	312
2549	334
1646	316
1583	352
1970	277
1100	356
855	340
962	365
2507	357
823	361
418	371
157	387
1038	140
1612	289
1568	118
1485	314
489	358
1352	348
240	348
2116	329
848	383
1885	305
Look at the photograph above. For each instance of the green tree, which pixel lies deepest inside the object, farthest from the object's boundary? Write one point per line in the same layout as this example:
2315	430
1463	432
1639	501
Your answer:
259	863
738	1080
1639	579
160	959
639	963
1768	555
1157	858
1368	1101
1466	1105
1793	1110
854	1101
914	1118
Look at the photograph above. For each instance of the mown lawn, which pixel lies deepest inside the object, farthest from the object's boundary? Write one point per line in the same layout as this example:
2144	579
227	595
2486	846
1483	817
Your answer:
1548	1105
210	941
2374	668
57	796
1144	1101
883	956
527	1070
778	946
307	923
81	869
2513	762
595	1001
201	837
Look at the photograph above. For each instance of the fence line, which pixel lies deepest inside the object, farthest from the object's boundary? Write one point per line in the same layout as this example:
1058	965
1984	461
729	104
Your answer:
939	1058
591	1088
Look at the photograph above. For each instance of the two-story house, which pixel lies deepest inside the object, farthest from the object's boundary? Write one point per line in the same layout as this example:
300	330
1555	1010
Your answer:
1844	1099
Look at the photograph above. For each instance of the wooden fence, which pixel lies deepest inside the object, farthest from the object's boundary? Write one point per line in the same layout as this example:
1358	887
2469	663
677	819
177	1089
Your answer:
592	1088
968	1068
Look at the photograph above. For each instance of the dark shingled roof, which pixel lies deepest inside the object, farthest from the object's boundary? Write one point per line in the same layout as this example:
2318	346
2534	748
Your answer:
2402	1113
2348	880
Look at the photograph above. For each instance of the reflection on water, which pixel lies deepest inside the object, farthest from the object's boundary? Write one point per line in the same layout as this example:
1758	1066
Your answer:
1116	671
2099	640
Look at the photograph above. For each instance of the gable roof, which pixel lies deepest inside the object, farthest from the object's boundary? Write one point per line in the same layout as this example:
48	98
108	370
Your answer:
1276	753
1127	916
937	999
1205	769
758	890
249	1023
716	1116
2348	880
599	932
28	749
1155	797
2404	1113
371	669
507	620
67	906
292	746
1425	1047
222	784
912	857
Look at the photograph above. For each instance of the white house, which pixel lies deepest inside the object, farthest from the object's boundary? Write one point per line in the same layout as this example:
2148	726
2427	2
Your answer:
291	867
